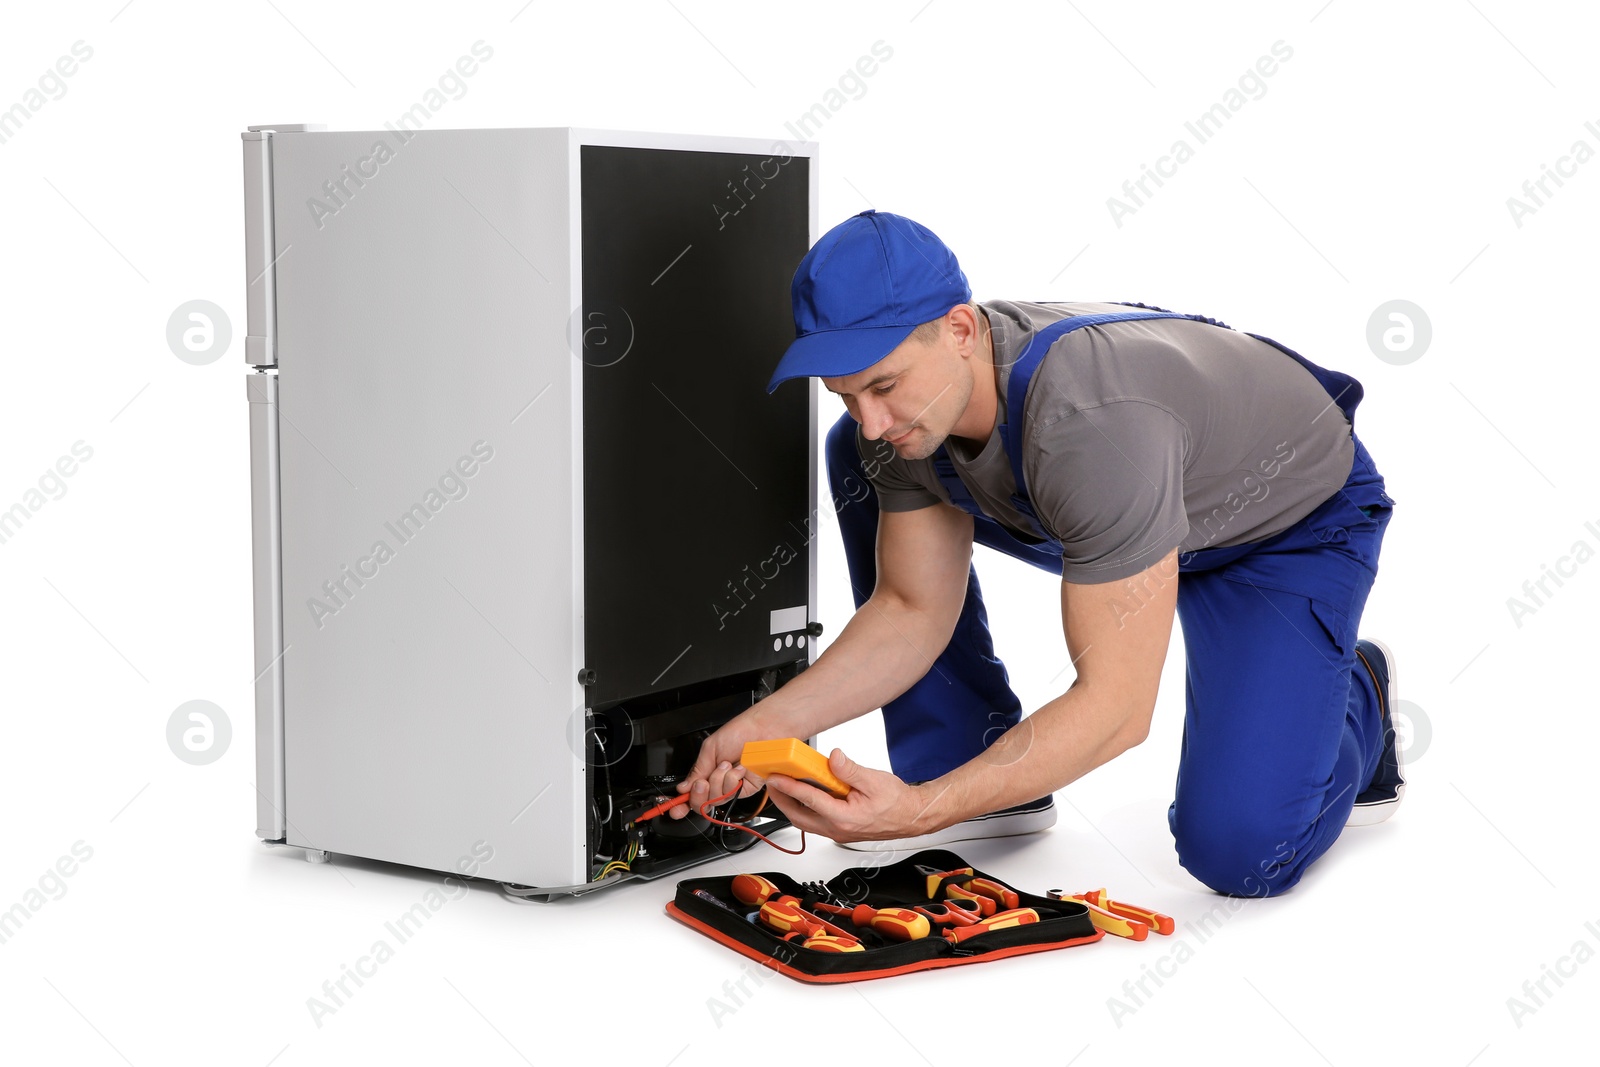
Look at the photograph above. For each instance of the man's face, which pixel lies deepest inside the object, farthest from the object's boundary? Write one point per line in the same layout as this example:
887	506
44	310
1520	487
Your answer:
912	397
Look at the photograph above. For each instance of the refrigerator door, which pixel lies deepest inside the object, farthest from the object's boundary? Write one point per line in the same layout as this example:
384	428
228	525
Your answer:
430	499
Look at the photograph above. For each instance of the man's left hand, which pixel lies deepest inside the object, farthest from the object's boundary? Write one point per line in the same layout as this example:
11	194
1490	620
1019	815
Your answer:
878	807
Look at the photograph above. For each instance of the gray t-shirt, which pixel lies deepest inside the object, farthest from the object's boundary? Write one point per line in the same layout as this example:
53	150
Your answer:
1141	437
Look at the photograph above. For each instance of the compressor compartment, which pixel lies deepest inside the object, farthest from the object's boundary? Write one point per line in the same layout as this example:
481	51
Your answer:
637	752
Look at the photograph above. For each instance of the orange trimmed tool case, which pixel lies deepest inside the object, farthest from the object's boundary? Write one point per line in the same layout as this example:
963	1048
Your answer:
711	906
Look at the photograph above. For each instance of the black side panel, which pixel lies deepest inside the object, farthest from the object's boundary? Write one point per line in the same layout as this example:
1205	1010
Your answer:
696	503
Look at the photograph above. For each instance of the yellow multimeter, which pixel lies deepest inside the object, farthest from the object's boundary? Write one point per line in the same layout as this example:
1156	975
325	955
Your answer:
793	757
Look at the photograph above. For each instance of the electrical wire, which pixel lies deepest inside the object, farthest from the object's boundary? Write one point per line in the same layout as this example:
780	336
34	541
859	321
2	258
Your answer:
623	866
668	805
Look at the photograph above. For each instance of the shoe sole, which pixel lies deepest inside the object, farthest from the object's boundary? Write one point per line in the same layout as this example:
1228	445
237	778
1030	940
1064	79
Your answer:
1372	814
1027	822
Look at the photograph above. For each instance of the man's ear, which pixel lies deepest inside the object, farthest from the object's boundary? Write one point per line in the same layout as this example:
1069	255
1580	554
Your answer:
963	328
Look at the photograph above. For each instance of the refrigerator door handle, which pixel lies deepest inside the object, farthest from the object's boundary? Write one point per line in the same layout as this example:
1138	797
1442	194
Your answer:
261	389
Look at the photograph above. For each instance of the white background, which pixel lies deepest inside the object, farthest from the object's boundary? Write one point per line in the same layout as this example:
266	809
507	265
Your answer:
1376	166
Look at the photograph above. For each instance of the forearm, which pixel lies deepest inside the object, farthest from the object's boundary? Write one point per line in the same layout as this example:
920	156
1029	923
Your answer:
1060	743
884	650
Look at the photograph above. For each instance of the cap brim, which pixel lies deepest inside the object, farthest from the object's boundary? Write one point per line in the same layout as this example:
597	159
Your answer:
837	353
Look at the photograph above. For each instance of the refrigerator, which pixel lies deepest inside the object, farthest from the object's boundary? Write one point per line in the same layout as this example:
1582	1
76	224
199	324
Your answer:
526	525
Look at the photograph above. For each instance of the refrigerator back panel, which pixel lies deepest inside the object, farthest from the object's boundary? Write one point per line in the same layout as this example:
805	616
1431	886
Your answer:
697	510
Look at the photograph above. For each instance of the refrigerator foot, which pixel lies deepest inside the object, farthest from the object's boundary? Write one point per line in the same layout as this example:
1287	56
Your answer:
317	855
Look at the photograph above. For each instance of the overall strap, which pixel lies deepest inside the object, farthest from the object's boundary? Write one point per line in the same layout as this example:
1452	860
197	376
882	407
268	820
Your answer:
1016	395
1028	362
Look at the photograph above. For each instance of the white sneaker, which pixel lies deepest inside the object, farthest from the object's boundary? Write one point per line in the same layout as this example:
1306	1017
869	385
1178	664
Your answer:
1027	818
1380	799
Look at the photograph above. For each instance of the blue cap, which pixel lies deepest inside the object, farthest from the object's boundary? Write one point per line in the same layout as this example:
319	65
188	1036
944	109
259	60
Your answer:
861	290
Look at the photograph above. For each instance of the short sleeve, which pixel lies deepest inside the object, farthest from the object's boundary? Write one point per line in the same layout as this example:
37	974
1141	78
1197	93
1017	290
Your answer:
1107	481
897	488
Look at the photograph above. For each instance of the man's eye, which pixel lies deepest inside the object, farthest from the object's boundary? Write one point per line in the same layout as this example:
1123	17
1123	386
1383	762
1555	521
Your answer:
883	390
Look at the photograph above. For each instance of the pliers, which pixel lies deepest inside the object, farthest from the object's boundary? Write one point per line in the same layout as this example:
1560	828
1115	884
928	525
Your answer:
1114	917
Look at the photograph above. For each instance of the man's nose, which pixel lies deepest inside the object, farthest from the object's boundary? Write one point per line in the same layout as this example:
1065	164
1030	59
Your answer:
875	419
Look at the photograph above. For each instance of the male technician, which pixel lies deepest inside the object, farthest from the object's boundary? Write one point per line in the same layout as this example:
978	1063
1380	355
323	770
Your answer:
1159	464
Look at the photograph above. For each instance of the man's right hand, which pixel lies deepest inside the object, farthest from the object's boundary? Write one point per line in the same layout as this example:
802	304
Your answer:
717	770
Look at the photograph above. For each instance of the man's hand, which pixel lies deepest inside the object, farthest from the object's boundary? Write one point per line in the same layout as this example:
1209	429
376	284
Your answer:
717	769
923	559
878	807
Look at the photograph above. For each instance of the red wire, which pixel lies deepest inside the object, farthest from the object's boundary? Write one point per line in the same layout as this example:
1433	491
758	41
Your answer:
757	833
668	805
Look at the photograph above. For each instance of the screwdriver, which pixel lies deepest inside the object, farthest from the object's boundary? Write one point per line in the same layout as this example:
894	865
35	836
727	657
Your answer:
998	921
901	924
785	915
754	890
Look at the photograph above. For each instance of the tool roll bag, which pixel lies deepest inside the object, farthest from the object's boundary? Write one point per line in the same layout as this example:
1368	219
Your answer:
711	906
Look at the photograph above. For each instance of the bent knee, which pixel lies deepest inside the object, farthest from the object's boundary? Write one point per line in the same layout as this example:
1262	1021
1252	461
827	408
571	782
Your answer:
1239	859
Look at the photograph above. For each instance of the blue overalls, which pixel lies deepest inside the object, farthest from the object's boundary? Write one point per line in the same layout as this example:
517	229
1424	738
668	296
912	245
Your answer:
1282	726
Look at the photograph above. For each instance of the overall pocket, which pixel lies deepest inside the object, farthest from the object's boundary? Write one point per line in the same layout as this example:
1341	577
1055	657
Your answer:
1353	521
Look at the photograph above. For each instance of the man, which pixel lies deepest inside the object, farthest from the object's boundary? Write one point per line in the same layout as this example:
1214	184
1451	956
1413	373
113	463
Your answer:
1125	448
